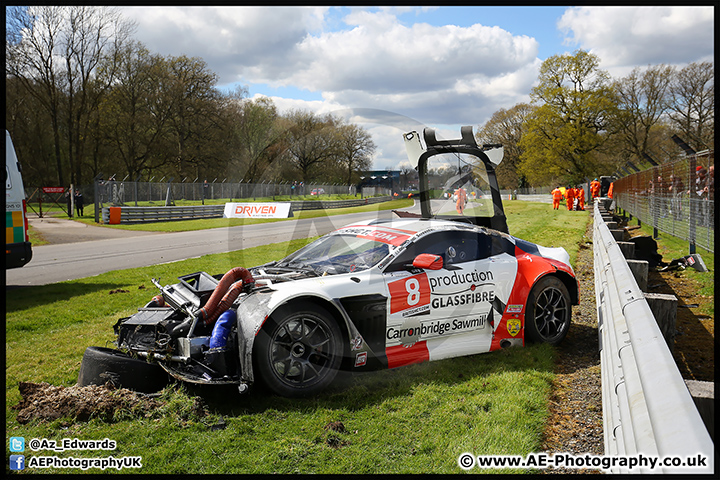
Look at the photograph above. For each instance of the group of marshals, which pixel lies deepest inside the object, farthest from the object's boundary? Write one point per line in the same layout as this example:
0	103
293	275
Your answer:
574	197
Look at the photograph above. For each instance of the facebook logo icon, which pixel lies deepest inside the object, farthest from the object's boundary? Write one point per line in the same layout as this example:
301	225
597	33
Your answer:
17	462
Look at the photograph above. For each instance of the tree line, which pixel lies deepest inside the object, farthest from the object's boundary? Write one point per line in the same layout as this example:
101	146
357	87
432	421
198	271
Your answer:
84	99
582	123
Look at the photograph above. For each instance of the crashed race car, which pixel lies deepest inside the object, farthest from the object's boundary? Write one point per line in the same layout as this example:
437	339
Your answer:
447	282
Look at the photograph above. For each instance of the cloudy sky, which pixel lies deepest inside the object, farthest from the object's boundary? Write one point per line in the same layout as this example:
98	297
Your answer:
393	70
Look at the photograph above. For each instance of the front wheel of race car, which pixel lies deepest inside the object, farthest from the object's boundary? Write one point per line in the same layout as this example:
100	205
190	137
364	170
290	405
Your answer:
298	351
548	311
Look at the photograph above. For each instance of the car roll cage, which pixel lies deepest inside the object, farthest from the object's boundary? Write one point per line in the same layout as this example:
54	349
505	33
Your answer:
489	154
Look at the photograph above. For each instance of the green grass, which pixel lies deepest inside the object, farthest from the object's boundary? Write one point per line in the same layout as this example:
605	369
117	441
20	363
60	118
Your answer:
414	419
671	248
539	223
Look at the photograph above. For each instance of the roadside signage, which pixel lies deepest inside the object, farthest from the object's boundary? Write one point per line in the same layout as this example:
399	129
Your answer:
257	210
53	189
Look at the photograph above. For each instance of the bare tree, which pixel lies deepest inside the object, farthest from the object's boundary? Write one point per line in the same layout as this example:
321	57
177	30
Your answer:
693	103
55	51
190	93
132	116
310	142
32	39
93	35
643	101
355	150
408	177
258	134
506	127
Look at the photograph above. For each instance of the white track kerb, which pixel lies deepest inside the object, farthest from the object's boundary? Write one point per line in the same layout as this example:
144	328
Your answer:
647	408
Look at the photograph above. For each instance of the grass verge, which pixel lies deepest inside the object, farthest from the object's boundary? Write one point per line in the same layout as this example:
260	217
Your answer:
539	223
416	419
202	224
694	338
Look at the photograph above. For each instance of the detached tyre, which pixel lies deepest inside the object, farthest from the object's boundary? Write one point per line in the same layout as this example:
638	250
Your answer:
298	351
548	311
105	365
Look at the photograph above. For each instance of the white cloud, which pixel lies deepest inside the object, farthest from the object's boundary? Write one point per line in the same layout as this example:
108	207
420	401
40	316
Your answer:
639	36
232	40
440	74
375	54
410	75
399	73
320	107
380	55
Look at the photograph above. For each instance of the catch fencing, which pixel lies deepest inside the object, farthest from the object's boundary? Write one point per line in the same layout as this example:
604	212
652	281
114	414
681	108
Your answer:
113	193
647	408
119	193
677	198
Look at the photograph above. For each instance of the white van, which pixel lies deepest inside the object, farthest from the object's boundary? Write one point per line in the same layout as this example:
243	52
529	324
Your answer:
18	250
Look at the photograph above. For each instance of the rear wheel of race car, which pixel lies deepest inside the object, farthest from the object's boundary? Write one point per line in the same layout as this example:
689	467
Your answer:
548	311
298	351
105	365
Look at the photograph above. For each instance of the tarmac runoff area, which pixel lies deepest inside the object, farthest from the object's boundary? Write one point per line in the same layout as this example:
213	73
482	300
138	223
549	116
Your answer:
59	230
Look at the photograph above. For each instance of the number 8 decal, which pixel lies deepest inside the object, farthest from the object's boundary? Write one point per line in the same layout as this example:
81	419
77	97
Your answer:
413	289
410	292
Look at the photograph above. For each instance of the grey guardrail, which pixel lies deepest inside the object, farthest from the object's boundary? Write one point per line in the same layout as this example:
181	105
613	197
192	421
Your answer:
647	408
319	204
163	214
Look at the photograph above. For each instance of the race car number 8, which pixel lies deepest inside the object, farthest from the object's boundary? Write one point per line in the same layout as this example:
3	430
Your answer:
410	292
413	289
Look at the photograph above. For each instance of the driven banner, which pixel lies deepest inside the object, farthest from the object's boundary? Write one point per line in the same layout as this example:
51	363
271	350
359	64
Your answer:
257	210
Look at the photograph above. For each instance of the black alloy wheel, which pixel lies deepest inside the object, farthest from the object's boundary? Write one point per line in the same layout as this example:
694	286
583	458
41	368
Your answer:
298	351
548	311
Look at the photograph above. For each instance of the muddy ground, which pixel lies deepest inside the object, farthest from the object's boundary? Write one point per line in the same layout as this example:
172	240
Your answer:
49	402
694	349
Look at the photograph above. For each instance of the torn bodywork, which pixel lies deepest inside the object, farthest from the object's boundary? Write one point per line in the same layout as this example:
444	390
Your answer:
192	328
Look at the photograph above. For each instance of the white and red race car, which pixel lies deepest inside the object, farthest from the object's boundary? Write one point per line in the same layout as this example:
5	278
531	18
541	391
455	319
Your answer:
372	295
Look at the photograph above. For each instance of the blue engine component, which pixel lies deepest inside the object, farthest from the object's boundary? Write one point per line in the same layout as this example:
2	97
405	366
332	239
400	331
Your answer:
221	330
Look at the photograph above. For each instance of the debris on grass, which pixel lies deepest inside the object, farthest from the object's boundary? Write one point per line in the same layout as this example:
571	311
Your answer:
49	402
335	427
45	402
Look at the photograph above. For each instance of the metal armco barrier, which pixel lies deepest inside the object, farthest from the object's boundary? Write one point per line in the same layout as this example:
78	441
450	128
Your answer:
116	215
647	408
321	204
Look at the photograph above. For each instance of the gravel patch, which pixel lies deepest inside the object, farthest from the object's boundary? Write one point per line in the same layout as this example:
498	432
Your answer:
575	425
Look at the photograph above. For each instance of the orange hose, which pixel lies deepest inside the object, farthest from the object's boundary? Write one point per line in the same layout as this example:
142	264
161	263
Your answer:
225	303
220	294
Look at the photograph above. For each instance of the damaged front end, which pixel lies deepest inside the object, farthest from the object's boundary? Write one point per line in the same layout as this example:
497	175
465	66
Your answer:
190	329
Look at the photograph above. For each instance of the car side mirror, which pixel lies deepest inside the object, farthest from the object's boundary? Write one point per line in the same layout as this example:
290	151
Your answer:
428	261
